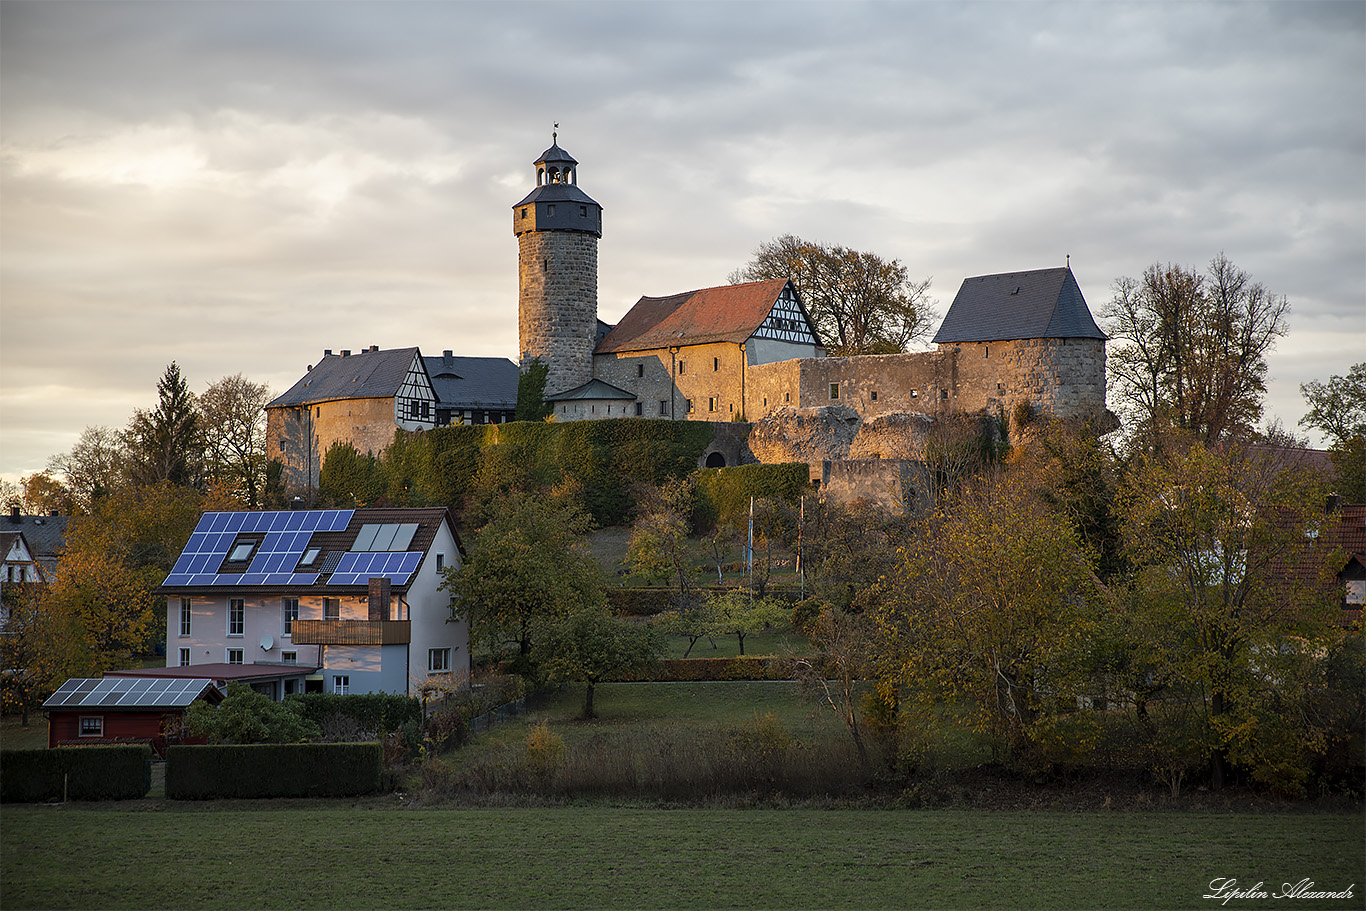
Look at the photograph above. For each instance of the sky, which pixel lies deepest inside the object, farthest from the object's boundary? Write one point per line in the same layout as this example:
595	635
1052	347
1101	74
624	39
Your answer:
235	187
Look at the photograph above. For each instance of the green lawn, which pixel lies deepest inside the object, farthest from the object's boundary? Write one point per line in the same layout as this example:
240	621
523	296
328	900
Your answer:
302	855
14	736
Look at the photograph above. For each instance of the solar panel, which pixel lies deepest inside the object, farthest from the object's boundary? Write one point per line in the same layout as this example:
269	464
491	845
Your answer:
360	568
284	537
127	692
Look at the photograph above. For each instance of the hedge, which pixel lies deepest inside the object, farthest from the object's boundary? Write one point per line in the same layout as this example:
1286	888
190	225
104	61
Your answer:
742	667
724	493
377	713
121	772
273	770
447	465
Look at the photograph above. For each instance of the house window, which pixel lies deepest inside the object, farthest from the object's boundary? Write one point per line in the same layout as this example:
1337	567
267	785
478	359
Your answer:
234	656
331	608
291	614
426	410
834	390
640	409
711	403
184	657
440	562
289	657
92	726
438	660
663	409
680	368
241	551
237	616
341	684
1356	591
689	401
413	408
185	614
715	364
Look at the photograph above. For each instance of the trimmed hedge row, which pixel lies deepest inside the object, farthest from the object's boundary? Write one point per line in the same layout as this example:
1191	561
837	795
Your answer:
273	770
91	773
742	667
378	713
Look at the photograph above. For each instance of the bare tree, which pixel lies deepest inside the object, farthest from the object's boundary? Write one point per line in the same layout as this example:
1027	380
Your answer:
860	303
233	417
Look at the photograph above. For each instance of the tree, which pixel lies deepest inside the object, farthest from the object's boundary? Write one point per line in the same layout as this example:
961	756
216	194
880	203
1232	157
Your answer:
860	303
1338	409
659	538
232	412
247	716
736	613
1205	530
526	566
42	645
94	466
1188	350
844	660
591	645
166	443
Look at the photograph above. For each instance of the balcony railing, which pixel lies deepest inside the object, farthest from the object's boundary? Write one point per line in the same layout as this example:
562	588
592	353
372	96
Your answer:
352	632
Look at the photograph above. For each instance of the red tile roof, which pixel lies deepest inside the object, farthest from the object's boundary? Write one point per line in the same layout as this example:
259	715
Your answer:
1343	534
730	313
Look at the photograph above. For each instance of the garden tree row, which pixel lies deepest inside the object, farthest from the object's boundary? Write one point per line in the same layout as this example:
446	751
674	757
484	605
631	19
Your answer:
1338	410
214	439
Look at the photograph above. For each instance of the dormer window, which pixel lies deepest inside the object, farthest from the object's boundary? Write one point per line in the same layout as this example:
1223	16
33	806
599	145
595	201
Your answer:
241	551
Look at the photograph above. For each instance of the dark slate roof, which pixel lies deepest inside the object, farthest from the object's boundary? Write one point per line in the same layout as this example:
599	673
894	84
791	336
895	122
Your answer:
595	390
474	382
365	375
1044	303
555	153
45	536
557	192
730	313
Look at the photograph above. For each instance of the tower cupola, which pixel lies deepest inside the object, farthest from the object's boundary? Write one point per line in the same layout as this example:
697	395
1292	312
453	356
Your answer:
557	203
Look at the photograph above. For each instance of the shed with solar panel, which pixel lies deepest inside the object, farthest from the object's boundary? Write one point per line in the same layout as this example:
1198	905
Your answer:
352	596
89	711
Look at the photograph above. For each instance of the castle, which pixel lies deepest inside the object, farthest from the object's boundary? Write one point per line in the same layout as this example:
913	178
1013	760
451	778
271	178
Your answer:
746	354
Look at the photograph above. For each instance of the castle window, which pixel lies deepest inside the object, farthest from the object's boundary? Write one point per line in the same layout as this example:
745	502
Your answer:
986	351
715	364
640	409
787	396
583	211
915	394
549	210
834	390
680	368
640	370
689	401
765	401
873	395
711	403
524	211
944	394
663	409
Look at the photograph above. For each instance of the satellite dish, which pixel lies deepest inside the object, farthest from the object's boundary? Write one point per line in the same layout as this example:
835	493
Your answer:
267	642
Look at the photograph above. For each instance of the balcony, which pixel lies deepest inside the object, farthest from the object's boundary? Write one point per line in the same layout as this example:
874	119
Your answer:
352	632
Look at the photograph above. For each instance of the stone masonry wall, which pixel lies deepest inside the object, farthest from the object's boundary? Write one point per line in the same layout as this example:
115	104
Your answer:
713	376
1060	376
300	437
558	304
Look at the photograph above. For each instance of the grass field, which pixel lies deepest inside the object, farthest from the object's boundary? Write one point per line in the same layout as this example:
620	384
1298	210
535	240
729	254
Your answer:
284	855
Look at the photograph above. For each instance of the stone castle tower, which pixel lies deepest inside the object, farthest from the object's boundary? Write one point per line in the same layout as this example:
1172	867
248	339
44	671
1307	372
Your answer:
557	227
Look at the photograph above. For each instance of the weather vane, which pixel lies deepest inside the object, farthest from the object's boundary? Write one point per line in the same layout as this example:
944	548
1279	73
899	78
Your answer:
554	134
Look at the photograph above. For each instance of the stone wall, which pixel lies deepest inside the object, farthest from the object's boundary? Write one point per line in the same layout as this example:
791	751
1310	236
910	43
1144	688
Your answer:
558	304
299	437
897	485
713	376
1064	377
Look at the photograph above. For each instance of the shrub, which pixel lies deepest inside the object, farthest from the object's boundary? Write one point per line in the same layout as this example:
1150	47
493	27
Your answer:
373	713
724	493
86	773
544	750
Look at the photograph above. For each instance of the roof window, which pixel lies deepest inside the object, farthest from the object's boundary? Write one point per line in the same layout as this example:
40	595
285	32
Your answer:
375	538
241	551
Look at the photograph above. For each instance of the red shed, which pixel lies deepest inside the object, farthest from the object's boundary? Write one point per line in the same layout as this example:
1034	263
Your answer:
108	710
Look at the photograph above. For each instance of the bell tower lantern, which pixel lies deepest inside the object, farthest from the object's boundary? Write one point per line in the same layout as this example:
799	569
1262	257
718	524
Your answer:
557	227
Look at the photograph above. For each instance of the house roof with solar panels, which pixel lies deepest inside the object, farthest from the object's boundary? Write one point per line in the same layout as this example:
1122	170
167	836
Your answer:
306	551
132	694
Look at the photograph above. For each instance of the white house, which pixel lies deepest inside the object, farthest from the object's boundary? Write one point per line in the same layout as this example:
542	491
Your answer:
350	596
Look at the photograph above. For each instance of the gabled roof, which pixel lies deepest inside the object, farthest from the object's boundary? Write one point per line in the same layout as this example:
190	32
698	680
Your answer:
730	313
1044	303
44	535
7	541
595	390
131	694
473	382
370	374
352	547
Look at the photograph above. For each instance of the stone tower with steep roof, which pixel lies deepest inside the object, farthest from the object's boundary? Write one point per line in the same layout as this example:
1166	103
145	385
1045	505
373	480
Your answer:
557	227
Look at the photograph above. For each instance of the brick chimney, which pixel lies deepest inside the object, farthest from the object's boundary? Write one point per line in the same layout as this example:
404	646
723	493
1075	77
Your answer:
379	598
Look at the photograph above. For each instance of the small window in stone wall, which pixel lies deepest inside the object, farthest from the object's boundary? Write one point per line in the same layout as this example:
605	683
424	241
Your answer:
711	403
944	394
873	395
915	394
640	370
834	390
986	351
680	368
663	409
689	406
640	409
787	396
715	364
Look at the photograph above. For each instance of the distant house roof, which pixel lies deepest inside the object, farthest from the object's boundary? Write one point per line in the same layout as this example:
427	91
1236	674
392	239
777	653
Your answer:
1341	536
369	374
595	390
730	313
132	694
310	551
44	535
473	382
1044	303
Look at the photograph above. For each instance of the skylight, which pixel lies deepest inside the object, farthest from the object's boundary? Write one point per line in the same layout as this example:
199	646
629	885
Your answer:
241	551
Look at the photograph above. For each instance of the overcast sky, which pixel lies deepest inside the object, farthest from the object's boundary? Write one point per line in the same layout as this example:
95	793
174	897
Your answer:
238	186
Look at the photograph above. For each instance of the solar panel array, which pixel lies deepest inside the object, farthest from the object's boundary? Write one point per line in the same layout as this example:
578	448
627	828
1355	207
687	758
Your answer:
285	535
359	568
127	692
